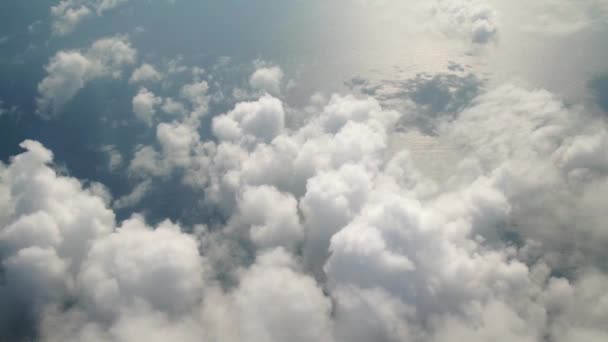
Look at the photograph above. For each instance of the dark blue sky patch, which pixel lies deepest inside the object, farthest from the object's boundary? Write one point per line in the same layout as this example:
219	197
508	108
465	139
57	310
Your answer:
599	88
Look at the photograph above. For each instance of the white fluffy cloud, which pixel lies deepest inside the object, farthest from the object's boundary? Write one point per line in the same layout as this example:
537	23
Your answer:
267	79
474	19
537	151
145	73
337	220
59	241
259	120
296	308
160	268
325	230
144	105
406	256
67	14
470	21
196	94
270	217
69	71
48	224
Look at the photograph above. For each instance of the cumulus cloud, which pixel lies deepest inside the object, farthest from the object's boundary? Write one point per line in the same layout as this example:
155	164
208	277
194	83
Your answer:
48	224
406	256
180	148
144	105
65	246
67	14
59	241
145	73
108	283
331	229
69	71
474	19
260	120
470	21
196	94
271	217
297	310
267	79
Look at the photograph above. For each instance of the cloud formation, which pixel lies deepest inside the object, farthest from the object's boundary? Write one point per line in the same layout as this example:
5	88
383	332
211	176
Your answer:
474	19
435	207
412	257
69	71
267	79
67	14
324	224
144	105
145	73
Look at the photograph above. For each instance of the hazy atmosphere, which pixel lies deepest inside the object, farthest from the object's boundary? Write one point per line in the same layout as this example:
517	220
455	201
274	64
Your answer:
304	170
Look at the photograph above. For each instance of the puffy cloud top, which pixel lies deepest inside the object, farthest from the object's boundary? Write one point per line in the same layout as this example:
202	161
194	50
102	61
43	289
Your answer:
69	71
475	19
262	120
267	79
145	73
67	14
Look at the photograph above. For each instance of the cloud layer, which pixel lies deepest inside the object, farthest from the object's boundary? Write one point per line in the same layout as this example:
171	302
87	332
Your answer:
340	218
327	234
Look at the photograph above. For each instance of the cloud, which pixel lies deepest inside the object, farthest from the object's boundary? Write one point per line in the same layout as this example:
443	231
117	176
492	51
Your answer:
434	209
122	279
49	222
297	310
267	79
474	22
328	229
570	299
472	253
262	119
173	107
144	105
196	94
59	241
145	73
270	217
115	158
474	19
134	197
104	5
180	148
536	151
68	14
69	71
559	17
108	283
